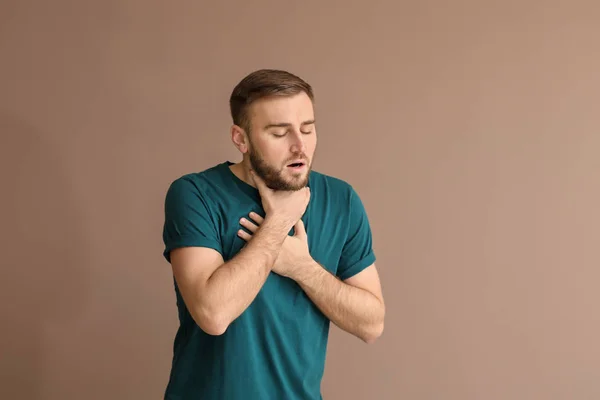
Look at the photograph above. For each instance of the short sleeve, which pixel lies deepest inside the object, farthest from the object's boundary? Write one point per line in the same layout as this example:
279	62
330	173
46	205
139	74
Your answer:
357	253
188	221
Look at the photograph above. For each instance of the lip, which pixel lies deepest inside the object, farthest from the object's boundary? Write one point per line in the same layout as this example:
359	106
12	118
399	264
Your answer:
303	162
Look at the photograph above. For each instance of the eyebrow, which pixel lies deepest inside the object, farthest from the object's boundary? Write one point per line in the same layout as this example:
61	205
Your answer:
287	124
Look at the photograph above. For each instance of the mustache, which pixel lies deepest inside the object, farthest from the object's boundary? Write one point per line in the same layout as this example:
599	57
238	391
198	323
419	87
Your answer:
302	157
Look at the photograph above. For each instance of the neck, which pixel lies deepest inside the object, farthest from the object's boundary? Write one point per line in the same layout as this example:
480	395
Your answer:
241	170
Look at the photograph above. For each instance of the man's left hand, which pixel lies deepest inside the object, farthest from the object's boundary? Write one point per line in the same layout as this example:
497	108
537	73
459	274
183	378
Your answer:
294	252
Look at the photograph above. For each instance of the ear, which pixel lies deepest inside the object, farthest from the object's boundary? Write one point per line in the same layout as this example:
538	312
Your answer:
239	138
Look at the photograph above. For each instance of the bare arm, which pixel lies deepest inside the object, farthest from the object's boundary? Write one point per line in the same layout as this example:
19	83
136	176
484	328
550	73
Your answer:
355	305
216	293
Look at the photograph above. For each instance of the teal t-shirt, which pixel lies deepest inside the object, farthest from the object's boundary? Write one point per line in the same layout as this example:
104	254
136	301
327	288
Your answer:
276	348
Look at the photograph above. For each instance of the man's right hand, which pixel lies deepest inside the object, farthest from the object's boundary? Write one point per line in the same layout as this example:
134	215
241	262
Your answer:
286	207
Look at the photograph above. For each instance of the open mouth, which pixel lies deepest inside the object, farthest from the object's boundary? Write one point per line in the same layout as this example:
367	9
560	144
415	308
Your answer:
297	163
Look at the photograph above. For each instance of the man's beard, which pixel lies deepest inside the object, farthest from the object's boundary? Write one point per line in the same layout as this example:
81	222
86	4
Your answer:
273	177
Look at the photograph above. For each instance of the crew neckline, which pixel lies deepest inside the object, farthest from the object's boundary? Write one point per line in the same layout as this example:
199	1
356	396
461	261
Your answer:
243	186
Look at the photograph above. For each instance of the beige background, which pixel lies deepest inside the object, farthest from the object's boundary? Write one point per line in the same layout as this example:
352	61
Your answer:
470	129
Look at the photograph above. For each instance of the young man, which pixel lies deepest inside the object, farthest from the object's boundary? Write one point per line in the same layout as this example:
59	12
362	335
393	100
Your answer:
265	253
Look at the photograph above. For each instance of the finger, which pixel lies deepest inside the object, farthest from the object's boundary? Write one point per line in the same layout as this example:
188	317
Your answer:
299	229
248	225
244	235
256	218
251	175
258	182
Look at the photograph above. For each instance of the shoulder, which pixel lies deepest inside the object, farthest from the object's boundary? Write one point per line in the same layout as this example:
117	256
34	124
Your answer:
337	194
195	181
335	188
193	185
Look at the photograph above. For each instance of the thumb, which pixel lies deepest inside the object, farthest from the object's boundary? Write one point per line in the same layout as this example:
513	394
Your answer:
299	230
258	182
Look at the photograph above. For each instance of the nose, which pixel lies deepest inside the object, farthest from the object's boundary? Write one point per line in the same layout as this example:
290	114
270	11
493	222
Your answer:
297	145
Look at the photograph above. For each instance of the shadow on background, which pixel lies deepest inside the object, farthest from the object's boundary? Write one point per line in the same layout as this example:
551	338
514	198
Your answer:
42	284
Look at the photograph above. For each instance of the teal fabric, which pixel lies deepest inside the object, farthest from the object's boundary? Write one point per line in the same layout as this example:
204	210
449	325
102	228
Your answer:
276	349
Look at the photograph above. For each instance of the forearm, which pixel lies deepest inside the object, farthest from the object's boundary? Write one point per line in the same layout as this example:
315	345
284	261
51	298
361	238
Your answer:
355	310
235	284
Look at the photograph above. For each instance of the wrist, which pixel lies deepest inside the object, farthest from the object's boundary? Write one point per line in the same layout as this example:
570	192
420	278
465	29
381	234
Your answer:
277	224
306	268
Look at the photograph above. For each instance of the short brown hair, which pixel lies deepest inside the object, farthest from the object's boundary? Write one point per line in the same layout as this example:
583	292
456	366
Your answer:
260	84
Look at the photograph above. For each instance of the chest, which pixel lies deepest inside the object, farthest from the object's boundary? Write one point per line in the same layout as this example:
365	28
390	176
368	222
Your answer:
324	224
